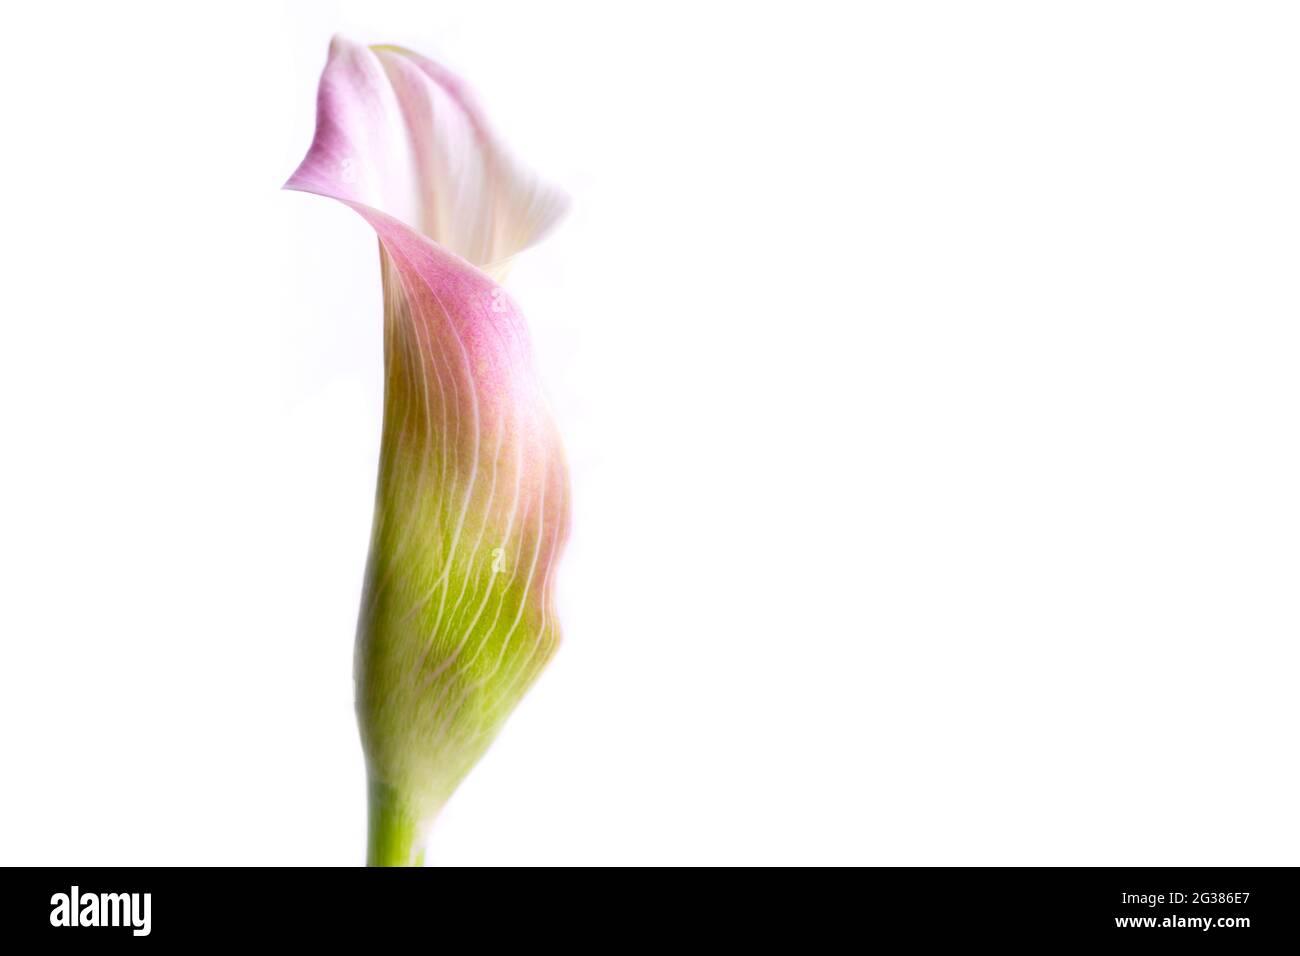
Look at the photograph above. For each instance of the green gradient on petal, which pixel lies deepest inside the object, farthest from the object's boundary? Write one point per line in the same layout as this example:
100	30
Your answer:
454	626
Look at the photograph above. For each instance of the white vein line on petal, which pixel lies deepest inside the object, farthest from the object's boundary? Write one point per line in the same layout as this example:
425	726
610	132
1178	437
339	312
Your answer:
450	557
436	353
440	731
396	349
487	508
502	595
523	603
429	346
487	593
557	537
469	489
502	427
413	348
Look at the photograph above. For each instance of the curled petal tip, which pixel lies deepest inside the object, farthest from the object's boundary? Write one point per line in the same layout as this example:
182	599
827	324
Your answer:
402	134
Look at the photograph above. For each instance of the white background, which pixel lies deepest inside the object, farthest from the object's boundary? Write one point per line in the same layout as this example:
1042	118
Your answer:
928	373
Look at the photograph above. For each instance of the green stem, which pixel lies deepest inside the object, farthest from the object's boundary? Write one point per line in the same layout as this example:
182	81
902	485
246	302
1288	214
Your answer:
394	833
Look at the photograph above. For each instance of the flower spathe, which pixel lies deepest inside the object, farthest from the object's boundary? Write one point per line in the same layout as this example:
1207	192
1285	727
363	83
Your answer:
471	510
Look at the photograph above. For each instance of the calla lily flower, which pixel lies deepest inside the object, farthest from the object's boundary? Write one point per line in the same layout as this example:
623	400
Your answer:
457	616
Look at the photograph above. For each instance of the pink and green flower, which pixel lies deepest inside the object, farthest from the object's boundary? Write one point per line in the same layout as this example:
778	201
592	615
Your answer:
472	508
